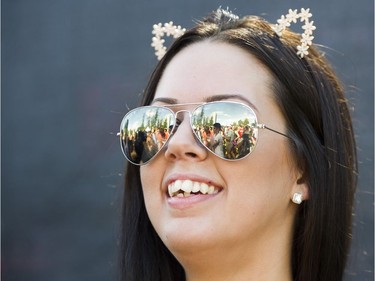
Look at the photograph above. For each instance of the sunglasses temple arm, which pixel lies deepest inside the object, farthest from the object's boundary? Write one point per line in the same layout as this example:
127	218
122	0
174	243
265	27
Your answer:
262	126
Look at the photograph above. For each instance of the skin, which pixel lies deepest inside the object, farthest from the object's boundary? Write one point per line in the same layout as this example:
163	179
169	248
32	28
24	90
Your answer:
244	231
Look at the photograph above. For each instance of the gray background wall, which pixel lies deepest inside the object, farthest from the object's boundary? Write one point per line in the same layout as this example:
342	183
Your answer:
70	69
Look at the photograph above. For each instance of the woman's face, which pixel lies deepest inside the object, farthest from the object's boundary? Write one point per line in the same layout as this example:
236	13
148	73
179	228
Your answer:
250	209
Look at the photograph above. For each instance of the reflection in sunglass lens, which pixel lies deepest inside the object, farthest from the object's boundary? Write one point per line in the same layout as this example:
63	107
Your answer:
227	129
144	131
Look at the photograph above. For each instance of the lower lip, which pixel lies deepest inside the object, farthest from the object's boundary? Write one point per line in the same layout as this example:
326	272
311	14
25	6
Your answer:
186	202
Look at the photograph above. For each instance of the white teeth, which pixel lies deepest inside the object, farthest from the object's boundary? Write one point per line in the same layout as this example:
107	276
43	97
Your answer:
177	185
187	194
204	188
187	186
184	188
196	187
170	193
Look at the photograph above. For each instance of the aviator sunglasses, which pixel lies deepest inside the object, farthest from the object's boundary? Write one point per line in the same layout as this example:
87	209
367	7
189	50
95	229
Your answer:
145	131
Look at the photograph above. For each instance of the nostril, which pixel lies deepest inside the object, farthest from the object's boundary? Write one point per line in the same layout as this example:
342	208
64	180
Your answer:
172	156
191	154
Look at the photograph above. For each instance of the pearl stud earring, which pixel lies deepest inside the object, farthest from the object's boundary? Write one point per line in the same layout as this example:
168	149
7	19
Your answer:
297	198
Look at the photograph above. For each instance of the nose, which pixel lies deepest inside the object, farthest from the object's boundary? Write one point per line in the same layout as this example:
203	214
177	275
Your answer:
183	145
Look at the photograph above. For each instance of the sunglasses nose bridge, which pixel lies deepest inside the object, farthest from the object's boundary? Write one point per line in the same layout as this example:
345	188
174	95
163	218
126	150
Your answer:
182	119
183	143
182	111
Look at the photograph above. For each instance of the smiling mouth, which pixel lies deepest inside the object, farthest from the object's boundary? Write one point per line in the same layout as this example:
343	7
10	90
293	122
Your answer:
187	188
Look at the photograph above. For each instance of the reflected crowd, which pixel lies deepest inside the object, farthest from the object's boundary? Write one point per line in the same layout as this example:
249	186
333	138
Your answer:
229	142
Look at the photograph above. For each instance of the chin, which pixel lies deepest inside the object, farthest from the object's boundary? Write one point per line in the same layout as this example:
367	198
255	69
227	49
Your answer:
188	237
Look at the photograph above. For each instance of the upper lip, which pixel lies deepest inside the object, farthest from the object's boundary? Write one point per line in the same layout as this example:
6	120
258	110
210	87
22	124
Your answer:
187	176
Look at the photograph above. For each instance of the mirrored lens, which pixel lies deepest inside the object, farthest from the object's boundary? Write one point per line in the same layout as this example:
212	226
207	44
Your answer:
144	131
228	129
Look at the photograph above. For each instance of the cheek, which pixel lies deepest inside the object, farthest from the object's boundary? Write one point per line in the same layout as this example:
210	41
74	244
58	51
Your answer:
151	179
264	177
259	191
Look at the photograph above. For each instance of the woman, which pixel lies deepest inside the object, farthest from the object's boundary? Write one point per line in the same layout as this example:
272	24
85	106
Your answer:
218	143
280	212
245	148
206	136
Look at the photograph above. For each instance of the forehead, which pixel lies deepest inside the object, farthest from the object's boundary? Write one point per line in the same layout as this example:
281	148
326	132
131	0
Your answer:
213	68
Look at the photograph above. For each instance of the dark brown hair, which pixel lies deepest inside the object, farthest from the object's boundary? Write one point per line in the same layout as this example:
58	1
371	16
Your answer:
318	120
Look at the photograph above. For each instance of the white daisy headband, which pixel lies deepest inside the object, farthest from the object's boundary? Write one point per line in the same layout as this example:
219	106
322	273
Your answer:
308	27
169	29
159	32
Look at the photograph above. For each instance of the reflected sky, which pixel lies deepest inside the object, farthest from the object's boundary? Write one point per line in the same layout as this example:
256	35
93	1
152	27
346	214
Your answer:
219	112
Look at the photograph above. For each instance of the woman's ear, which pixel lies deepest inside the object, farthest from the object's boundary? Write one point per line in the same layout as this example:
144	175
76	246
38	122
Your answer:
300	190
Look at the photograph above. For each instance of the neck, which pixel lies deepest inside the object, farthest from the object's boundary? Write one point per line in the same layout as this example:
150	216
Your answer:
239	267
266	260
